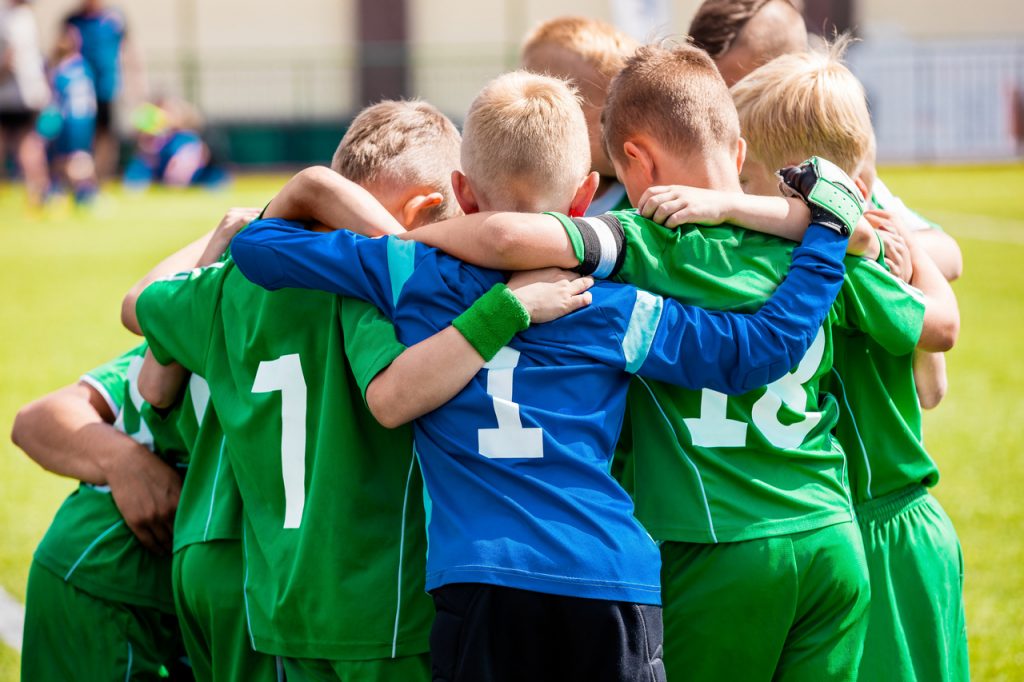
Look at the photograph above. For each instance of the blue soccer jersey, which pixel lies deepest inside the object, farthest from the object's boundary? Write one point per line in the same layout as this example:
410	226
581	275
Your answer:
102	33
75	98
516	465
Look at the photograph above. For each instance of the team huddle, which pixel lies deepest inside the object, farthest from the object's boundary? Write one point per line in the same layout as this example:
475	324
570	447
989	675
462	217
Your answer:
623	382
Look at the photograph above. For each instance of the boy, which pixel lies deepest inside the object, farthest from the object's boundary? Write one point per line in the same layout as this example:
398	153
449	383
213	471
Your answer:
587	53
333	527
743	493
916	626
537	566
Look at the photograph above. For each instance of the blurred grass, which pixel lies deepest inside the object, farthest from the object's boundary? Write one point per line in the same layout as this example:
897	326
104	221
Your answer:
63	277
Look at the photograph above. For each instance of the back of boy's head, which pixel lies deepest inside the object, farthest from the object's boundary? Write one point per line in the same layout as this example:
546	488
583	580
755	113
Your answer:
805	104
675	97
525	143
402	144
595	43
741	35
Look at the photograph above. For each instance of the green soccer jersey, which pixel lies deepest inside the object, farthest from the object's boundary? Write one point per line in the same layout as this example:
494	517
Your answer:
880	416
333	518
88	544
715	468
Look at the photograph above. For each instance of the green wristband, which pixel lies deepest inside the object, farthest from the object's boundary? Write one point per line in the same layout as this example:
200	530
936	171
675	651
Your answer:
491	322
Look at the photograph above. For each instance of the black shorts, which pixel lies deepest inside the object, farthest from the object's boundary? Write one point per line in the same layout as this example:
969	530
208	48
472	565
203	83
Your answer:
488	633
17	122
104	116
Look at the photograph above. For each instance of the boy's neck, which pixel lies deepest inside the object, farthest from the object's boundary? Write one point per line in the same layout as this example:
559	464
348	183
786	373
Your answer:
717	174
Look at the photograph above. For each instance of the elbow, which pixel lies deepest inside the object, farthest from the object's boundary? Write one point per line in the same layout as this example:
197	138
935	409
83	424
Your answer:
385	409
955	269
944	336
505	239
128	318
20	427
154	393
931	396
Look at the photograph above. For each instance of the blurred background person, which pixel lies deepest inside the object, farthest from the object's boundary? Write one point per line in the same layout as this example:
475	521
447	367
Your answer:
23	94
170	149
70	122
107	50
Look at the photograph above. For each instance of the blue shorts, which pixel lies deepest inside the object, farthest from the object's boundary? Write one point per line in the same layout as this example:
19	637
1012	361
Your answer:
76	135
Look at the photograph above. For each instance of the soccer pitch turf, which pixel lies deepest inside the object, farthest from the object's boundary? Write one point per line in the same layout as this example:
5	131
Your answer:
63	276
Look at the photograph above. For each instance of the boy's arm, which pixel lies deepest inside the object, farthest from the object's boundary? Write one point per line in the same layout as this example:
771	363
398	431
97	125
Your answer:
432	372
277	253
161	385
318	194
733	352
203	251
69	432
785	217
930	378
502	241
942	249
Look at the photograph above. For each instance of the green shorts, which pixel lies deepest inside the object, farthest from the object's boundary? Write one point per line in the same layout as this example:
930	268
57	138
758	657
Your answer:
916	628
72	635
208	580
414	668
792	607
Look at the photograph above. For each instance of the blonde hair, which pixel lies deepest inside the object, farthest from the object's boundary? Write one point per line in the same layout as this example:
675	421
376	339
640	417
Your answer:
525	139
804	104
596	43
674	95
402	143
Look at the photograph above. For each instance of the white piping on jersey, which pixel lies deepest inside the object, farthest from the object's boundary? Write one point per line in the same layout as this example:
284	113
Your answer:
700	480
401	555
102	390
90	548
609	252
643	324
213	491
279	665
131	661
245	587
860	441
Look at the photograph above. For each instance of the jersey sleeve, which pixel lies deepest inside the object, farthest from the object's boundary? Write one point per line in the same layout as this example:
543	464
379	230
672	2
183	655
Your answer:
277	253
881	305
735	352
177	315
598	242
370	341
110	378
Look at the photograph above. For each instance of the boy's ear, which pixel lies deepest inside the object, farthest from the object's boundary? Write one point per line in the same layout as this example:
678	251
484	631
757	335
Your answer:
640	157
862	186
584	195
741	154
464	193
414	212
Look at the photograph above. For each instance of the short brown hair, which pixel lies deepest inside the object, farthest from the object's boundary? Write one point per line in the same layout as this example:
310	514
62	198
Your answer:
599	44
675	95
404	143
718	24
526	140
805	104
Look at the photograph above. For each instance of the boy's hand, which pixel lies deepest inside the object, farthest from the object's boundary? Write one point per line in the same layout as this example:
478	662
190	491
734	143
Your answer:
896	241
233	221
676	205
550	293
146	491
833	198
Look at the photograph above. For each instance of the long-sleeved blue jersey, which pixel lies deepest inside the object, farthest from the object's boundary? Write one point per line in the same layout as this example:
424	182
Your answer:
516	465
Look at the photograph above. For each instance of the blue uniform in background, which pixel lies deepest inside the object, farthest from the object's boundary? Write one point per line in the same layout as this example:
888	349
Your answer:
516	465
75	101
102	34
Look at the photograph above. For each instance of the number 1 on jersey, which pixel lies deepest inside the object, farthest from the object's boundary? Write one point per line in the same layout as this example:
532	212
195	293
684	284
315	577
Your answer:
510	440
285	375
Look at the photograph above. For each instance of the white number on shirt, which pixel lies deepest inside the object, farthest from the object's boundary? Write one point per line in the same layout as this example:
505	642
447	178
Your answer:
143	435
510	439
285	375
714	430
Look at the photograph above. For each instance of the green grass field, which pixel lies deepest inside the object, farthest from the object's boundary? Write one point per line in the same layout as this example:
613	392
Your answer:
63	277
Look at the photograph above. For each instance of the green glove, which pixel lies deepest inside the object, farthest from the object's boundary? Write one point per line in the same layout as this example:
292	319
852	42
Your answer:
833	198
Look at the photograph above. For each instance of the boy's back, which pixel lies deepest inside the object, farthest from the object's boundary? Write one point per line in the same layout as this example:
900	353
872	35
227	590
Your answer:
332	521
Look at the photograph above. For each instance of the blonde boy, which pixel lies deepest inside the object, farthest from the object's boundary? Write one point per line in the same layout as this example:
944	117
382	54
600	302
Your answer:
810	103
587	53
